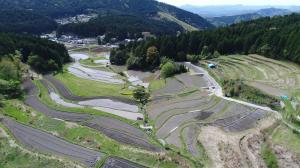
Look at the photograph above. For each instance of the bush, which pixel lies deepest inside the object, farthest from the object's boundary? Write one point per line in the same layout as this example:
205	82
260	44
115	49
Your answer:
237	88
269	157
170	69
10	89
135	63
193	58
1	100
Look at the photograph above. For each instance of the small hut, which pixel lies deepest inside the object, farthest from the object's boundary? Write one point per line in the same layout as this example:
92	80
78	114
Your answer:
211	66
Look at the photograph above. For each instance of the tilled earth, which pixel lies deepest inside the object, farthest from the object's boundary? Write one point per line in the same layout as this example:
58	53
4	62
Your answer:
115	162
178	118
113	128
46	143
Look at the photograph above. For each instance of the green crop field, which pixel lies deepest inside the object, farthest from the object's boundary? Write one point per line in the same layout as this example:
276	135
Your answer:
83	87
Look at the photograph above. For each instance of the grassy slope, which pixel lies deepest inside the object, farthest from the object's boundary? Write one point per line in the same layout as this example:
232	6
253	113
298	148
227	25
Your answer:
179	22
45	98
83	87
287	138
269	156
157	84
84	136
90	61
258	69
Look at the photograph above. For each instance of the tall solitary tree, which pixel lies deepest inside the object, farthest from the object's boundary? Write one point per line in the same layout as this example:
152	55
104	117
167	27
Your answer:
141	95
152	56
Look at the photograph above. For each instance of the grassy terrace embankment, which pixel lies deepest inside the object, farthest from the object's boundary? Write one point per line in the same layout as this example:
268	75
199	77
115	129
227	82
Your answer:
271	76
83	87
84	136
14	155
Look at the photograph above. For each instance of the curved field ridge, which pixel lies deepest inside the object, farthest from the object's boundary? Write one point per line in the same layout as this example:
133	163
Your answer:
92	74
271	76
113	128
46	143
67	94
121	109
178	119
115	162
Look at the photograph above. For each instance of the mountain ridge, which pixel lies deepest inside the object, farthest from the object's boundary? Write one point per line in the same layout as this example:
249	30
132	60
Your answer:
267	12
147	9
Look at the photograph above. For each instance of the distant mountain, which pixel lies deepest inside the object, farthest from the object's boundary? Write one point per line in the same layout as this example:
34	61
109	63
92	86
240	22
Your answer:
228	20
222	10
149	11
273	12
231	10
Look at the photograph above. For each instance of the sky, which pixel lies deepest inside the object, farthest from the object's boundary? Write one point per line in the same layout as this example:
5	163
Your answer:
231	2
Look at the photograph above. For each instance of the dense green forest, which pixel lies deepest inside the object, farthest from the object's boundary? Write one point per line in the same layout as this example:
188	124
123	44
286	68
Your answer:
62	8
276	37
117	18
120	27
22	21
41	54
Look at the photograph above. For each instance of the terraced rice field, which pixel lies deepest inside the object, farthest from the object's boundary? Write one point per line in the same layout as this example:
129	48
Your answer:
51	144
271	76
179	117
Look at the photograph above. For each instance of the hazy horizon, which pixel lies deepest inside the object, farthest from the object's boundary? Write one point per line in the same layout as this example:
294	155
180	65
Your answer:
232	2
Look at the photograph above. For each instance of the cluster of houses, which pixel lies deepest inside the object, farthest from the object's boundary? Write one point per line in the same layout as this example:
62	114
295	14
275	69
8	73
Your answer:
76	19
69	39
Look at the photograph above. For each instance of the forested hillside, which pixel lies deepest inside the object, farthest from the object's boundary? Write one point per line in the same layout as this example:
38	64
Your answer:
276	37
22	21
135	15
42	55
120	27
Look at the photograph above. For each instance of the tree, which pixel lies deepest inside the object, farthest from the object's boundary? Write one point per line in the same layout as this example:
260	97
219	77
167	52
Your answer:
152	56
193	58
168	69
10	89
1	100
216	54
8	70
118	57
171	68
205	51
141	95
265	50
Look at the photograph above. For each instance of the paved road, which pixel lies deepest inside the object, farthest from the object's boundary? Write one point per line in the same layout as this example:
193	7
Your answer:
113	128
46	143
217	89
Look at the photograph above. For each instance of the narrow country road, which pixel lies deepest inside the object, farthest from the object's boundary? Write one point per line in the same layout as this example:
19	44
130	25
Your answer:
216	89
